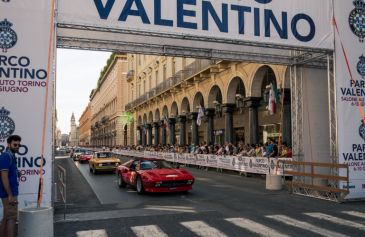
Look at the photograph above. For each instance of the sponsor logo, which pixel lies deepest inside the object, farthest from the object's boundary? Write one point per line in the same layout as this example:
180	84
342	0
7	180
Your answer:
362	130
233	161
350	186
8	37
5	0
7	125
361	66
357	19
250	164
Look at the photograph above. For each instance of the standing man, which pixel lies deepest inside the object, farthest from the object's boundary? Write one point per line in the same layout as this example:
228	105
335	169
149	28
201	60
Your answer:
9	186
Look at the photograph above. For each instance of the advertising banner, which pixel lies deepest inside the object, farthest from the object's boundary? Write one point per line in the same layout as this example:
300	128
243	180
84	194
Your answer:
201	160
26	45
212	161
350	84
281	22
225	162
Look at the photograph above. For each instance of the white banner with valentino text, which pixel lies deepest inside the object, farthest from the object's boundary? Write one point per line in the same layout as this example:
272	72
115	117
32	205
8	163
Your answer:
350	83
25	29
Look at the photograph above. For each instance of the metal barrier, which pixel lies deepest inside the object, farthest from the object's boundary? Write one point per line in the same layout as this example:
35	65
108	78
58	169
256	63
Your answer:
61	186
315	184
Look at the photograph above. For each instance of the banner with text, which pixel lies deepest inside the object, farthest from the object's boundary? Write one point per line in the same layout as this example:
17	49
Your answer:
280	22
25	30
350	84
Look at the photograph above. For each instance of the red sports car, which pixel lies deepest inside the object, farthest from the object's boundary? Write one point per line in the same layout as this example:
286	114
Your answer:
153	175
85	157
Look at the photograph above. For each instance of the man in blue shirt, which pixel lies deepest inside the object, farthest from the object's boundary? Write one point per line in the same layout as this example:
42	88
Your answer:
9	186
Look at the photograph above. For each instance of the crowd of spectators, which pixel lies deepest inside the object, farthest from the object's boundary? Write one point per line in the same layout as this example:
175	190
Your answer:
269	149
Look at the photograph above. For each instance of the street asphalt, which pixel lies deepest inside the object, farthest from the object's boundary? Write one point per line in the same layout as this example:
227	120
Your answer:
220	205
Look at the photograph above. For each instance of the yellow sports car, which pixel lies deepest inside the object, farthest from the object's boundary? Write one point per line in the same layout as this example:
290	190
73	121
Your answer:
103	161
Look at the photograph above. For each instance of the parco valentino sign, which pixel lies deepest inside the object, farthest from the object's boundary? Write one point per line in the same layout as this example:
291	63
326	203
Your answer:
281	22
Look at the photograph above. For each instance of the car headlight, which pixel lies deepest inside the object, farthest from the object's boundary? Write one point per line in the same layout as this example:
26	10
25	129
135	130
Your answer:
190	181
158	184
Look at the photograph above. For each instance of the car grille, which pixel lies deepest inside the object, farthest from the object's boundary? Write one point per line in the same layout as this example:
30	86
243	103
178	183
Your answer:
174	183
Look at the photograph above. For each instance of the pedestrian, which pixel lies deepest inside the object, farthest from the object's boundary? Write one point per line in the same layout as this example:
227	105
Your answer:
9	186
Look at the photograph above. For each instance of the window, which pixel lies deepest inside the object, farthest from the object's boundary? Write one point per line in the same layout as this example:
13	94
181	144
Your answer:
173	66
156	77
164	72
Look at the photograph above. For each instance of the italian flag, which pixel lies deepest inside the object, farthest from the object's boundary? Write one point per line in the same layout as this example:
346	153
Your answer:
273	99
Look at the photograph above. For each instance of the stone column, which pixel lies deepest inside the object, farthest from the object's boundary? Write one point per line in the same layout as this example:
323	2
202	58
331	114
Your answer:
149	134
210	112
286	119
139	130
182	121
172	122
194	128
156	126
228	114
252	103
144	137
163	132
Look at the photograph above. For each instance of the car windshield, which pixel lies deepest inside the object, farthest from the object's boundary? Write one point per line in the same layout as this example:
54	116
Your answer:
88	152
104	155
154	164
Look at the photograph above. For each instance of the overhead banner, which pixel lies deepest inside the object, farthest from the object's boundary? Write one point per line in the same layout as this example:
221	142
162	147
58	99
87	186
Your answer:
350	83
279	22
25	44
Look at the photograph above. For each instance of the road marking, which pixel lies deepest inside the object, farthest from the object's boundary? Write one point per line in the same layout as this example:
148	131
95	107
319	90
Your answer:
336	220
255	227
306	226
355	213
172	208
148	231
202	229
92	233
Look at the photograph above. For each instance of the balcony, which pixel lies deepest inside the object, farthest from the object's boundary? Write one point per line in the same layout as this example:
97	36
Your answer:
187	73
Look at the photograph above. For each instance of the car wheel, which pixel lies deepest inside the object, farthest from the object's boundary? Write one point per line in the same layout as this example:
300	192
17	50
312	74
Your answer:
120	181
139	185
94	170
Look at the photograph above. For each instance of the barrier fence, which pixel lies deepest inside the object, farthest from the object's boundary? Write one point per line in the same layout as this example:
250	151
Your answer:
256	165
61	186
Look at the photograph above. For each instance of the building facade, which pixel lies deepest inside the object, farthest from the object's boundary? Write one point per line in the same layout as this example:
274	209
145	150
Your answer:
74	132
166	94
85	127
107	104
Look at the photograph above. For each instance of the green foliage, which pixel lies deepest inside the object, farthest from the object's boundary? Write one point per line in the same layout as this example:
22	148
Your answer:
126	118
102	73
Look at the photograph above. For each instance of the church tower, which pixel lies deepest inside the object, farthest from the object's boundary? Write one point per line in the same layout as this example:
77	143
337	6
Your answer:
73	132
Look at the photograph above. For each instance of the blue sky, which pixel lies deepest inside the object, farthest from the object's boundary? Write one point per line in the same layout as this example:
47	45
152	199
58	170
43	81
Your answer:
77	74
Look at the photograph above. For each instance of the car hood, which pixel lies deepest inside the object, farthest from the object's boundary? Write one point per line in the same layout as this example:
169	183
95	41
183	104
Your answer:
167	174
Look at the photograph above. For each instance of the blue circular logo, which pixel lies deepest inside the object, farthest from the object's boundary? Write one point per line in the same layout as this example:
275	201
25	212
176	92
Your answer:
7	125
357	19
8	37
361	66
362	130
